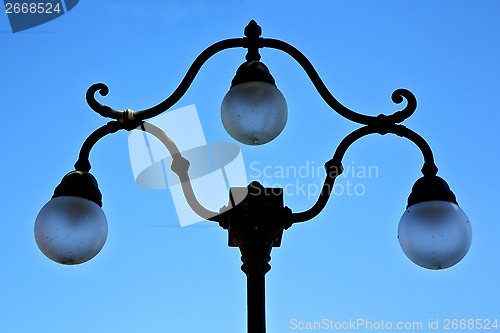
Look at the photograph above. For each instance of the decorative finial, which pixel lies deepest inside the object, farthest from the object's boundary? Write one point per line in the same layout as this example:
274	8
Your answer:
253	30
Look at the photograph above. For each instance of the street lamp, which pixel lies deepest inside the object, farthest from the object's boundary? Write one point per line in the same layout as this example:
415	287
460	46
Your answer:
433	232
72	228
254	111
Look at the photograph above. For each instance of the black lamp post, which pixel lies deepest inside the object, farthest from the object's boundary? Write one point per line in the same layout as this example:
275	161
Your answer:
434	232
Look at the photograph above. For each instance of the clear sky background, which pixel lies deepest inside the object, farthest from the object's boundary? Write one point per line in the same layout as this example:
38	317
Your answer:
152	275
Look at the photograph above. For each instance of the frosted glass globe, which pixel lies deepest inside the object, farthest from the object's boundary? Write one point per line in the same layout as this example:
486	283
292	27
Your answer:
254	112
71	230
435	234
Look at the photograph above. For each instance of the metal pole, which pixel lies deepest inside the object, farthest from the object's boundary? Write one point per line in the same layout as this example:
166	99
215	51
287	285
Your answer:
256	225
256	302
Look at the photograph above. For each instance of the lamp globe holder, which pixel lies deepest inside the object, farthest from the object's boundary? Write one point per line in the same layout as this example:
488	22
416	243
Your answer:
254	111
72	228
434	232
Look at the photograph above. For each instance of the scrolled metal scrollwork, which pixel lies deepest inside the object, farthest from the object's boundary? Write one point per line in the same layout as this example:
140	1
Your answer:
103	110
253	42
398	96
186	82
381	124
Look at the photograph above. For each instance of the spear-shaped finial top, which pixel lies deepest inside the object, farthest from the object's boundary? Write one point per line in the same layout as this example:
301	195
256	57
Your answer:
253	30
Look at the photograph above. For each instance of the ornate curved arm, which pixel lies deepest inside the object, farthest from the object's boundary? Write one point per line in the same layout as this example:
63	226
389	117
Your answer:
253	42
333	170
381	124
397	95
429	168
83	163
180	166
334	166
106	111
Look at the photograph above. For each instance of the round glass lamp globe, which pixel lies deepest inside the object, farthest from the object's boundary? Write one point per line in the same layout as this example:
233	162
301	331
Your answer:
254	112
435	234
71	230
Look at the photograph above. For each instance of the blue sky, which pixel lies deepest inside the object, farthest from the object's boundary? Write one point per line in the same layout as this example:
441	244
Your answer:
153	276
